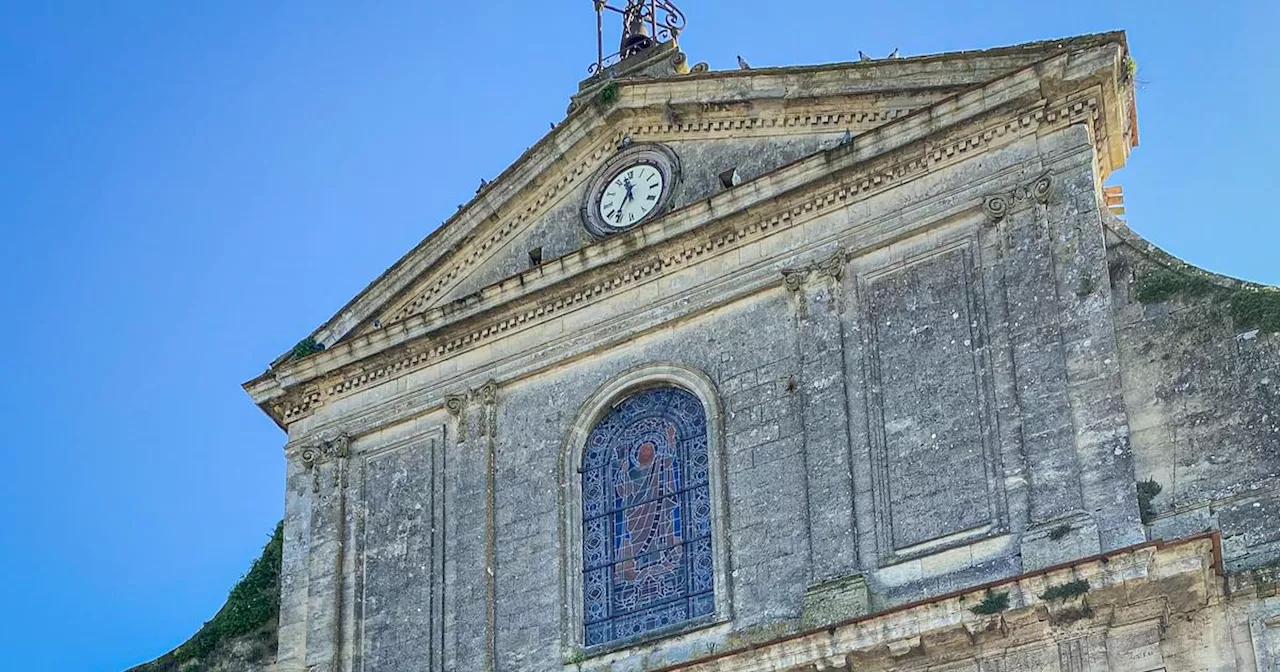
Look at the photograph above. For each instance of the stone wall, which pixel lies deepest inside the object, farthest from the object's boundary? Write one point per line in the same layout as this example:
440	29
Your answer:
924	373
1202	391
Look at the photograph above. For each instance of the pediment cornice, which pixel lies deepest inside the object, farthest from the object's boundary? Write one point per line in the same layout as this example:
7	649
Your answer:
947	131
587	133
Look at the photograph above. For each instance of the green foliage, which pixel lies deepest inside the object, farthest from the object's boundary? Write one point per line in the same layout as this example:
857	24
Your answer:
252	608
1065	590
1147	491
1164	283
1256	309
992	603
1251	307
1060	532
607	95
307	346
1130	68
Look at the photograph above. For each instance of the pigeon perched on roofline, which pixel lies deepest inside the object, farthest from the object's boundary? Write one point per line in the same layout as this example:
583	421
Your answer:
894	54
743	64
862	56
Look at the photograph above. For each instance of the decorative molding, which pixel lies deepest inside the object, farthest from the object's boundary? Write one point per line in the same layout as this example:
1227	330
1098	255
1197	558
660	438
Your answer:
336	446
878	459
665	127
794	279
996	206
487	395
875	176
832	267
456	404
733	125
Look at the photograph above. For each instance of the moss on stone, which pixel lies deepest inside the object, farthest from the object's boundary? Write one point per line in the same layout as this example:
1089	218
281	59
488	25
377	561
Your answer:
1252	307
1256	308
251	612
1164	283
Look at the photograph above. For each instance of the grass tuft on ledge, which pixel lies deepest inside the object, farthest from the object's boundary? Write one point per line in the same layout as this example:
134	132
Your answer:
1065	590
992	603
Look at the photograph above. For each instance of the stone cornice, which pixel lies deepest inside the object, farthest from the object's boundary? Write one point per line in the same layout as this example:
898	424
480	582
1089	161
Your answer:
671	122
1186	572
932	138
587	123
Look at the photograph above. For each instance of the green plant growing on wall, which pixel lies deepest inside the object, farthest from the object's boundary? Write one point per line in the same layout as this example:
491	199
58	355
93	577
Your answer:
307	346
607	95
252	608
1147	491
992	603
1065	590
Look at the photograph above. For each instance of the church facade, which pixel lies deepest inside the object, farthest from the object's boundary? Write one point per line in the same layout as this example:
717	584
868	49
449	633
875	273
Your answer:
852	366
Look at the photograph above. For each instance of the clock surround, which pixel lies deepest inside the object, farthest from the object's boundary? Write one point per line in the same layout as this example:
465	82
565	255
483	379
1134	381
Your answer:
634	201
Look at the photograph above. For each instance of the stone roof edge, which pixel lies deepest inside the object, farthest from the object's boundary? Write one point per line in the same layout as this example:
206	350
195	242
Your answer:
1132	239
1047	47
864	147
576	127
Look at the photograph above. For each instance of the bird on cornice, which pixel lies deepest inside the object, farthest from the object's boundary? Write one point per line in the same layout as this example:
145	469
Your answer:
894	54
862	56
743	64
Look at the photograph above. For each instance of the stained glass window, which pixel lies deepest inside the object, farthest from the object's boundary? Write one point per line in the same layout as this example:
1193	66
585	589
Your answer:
646	517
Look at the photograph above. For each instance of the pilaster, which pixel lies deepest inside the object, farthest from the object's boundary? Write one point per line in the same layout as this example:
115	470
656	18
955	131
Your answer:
326	465
471	566
818	302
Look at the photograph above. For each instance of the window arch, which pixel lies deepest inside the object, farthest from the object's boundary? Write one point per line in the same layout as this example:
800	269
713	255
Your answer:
647	557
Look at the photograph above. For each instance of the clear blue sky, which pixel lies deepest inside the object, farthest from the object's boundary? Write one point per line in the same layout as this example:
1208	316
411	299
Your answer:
188	188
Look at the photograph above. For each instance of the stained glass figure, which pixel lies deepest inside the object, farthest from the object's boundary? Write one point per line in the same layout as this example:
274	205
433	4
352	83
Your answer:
646	512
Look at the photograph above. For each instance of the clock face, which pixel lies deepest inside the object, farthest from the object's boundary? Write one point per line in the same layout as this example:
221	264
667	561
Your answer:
631	195
634	186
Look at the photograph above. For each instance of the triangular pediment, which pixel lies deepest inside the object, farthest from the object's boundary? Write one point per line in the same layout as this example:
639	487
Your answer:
754	121
759	122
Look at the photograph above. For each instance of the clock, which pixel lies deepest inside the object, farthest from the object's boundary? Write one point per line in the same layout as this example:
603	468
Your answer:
633	187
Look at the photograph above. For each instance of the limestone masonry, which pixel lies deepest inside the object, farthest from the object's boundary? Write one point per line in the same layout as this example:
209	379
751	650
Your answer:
838	367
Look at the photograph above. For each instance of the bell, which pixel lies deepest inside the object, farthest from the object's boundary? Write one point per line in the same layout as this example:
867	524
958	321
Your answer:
635	36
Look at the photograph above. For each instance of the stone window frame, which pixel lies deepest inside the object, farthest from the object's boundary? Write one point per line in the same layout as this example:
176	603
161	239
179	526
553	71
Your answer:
592	410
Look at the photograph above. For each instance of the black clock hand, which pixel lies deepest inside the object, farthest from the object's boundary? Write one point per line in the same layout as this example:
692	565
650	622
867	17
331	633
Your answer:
623	204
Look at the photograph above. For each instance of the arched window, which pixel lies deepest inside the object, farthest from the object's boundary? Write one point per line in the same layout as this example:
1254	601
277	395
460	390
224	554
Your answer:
646	517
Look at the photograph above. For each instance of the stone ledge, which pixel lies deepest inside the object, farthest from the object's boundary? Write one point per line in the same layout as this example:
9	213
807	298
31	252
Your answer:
1136	585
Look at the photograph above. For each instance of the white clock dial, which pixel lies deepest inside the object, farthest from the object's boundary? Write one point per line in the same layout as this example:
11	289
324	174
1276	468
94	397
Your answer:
631	196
